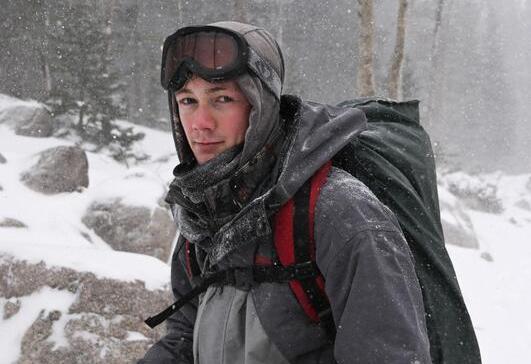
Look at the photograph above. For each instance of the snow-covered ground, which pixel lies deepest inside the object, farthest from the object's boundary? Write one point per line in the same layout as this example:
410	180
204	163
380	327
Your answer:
495	279
55	233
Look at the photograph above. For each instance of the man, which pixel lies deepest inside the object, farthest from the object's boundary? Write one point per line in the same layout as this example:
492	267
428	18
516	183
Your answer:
245	152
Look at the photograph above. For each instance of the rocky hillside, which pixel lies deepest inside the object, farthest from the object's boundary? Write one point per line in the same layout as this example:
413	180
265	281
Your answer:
84	243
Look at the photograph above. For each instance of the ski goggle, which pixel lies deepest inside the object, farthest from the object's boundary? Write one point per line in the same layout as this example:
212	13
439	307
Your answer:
214	54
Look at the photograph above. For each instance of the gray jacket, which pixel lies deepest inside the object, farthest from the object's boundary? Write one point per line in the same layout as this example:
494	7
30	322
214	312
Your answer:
369	272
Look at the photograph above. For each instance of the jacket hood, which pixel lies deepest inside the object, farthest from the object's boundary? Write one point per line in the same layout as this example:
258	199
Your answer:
316	133
265	102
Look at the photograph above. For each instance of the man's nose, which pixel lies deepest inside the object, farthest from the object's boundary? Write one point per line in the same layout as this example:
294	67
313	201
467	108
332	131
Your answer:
203	118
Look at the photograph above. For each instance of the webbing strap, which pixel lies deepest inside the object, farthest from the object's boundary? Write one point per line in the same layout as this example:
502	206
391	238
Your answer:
304	251
241	277
294	243
192	267
156	320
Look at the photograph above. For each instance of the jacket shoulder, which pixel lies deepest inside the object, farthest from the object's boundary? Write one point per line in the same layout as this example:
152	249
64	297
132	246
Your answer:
345	208
349	206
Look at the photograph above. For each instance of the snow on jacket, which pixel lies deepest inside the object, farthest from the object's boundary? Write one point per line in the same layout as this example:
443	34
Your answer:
368	268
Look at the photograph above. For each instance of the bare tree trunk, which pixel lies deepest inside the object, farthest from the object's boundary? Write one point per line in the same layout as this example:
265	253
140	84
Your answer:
365	74
436	28
106	137
43	54
438	17
133	92
40	45
47	77
108	11
180	13
80	122
394	86
240	12
434	57
280	22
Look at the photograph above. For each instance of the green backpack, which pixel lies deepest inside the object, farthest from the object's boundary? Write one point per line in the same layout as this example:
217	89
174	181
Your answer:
394	158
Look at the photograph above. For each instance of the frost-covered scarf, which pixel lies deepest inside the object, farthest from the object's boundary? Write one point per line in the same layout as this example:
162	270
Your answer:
210	195
189	191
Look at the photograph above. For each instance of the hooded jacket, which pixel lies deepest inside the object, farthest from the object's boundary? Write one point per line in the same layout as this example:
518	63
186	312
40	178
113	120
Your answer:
368	269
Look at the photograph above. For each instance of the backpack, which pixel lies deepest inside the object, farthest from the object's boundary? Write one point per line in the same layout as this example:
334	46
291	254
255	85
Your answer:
394	159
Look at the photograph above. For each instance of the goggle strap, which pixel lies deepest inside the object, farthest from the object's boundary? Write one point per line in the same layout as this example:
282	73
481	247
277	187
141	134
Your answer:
265	72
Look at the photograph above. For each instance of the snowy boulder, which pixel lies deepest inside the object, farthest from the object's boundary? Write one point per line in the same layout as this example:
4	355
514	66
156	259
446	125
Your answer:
28	118
524	204
3	159
59	169
476	192
13	223
15	111
66	316
38	125
457	225
136	229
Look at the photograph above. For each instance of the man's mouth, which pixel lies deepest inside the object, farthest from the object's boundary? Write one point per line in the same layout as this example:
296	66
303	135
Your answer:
207	147
207	142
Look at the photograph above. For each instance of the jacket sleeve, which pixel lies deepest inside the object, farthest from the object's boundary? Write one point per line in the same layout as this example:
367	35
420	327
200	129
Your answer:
370	278
176	346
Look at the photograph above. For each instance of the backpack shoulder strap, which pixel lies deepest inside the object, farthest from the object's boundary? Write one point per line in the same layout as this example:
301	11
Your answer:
191	264
295	244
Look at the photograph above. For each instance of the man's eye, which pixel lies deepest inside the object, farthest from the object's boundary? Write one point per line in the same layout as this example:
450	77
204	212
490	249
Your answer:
225	99
186	101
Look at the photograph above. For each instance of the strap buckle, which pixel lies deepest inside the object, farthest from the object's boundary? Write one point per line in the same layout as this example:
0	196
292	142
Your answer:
240	277
305	270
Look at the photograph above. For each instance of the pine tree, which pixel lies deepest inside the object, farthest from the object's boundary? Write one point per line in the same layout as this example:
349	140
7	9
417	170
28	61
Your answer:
83	81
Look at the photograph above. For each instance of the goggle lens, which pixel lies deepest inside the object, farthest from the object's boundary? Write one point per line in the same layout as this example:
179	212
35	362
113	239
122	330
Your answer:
214	52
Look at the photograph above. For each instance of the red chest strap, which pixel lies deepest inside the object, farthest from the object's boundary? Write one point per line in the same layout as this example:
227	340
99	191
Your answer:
191	264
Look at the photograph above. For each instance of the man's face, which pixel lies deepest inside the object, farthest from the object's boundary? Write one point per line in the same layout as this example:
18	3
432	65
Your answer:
214	116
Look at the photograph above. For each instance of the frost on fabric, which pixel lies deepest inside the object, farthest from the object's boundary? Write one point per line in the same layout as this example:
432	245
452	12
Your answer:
250	225
352	186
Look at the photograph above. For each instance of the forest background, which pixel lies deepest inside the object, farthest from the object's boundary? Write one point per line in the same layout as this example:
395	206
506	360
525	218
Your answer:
468	62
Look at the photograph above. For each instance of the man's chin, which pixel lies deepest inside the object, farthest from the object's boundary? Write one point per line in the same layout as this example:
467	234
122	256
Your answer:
205	152
202	159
